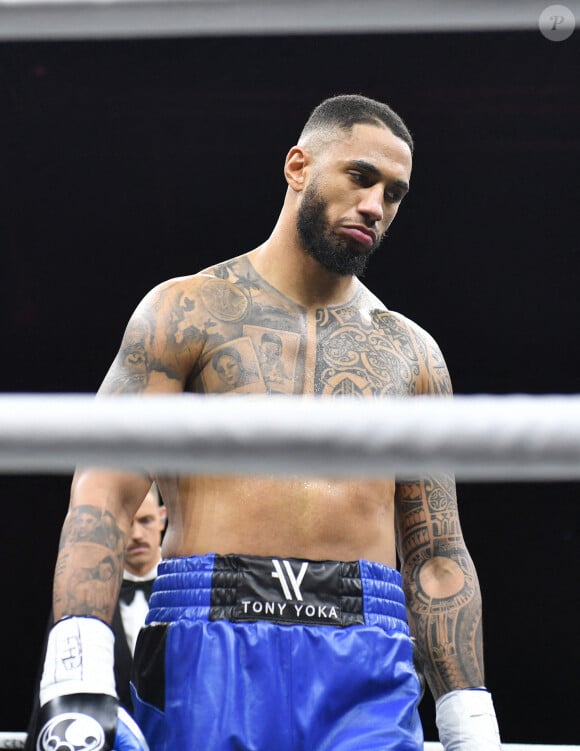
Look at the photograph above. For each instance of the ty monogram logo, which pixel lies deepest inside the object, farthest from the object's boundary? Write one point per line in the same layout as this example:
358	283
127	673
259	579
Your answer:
289	578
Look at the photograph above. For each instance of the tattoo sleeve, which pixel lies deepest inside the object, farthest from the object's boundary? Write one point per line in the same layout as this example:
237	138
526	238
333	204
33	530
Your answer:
159	347
89	567
441	585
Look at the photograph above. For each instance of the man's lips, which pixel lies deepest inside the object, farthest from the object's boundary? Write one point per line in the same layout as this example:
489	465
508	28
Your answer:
137	549
362	235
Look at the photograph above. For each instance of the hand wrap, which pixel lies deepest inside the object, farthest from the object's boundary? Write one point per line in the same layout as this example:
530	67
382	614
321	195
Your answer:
79	705
466	721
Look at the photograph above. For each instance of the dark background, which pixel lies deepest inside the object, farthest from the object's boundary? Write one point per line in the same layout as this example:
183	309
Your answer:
126	163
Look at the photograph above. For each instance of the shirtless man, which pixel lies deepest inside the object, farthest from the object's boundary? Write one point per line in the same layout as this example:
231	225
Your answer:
278	619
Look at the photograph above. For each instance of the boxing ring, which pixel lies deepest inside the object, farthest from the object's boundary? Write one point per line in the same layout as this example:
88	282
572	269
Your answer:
476	437
479	438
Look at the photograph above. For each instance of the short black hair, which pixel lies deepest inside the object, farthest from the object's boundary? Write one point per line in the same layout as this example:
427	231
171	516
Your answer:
347	110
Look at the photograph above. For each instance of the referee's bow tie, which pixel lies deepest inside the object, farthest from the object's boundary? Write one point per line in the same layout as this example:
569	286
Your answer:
129	587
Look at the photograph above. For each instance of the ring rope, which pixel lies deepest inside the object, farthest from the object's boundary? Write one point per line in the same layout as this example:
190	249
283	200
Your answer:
513	437
69	19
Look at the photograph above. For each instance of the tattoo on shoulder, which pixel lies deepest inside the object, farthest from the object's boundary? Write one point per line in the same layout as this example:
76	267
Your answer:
182	327
241	272
153	342
135	365
440	381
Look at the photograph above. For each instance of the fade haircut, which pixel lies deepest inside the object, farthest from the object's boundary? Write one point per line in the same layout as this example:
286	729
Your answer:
347	110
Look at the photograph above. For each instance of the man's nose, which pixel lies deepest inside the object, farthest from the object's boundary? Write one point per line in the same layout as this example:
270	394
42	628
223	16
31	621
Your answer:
371	204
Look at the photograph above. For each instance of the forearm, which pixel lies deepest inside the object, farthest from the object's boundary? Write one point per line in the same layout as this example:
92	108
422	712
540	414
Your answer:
444	607
443	598
441	585
89	566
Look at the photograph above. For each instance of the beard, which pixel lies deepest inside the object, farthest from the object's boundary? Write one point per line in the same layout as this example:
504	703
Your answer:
334	253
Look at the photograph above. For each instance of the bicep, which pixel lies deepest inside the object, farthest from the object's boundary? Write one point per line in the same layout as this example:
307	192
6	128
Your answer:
114	492
427	517
151	358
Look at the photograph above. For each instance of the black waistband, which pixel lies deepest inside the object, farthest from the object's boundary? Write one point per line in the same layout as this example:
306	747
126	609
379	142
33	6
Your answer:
286	590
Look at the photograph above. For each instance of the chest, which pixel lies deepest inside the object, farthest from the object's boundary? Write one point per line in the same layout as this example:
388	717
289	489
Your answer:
346	350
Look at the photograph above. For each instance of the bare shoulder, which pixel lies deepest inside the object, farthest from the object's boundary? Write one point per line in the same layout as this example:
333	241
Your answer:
415	342
435	378
172	324
170	299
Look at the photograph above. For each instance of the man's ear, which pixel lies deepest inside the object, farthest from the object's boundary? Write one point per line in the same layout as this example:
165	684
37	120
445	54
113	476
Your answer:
295	167
163	516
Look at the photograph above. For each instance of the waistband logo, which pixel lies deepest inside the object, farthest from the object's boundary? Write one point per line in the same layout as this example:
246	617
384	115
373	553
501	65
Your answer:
289	578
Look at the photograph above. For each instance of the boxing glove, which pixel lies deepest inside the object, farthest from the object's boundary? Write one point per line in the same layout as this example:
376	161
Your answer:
466	721
79	706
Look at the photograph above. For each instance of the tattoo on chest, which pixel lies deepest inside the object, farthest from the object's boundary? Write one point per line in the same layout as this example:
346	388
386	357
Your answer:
229	330
257	340
357	357
254	337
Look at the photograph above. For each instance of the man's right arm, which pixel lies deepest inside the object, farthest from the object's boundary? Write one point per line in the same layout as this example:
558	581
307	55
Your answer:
78	674
152	359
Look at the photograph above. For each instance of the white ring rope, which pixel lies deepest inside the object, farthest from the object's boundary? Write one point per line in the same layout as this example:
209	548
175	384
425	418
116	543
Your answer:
38	19
477	437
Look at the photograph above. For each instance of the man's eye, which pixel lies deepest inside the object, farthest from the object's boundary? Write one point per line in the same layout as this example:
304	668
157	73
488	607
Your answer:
359	178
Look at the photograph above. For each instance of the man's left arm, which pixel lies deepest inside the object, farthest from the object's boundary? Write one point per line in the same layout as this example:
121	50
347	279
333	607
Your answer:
443	595
441	586
444	609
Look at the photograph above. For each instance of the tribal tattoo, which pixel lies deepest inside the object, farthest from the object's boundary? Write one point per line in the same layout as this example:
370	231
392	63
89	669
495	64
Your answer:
360	355
441	585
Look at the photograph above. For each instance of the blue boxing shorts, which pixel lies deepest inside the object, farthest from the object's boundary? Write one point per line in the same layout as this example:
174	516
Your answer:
246	653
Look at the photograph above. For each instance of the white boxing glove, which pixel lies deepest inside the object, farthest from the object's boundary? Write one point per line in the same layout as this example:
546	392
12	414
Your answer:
466	721
79	706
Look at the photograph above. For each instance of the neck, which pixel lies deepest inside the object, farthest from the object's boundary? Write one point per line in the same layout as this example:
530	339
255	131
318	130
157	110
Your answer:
284	263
